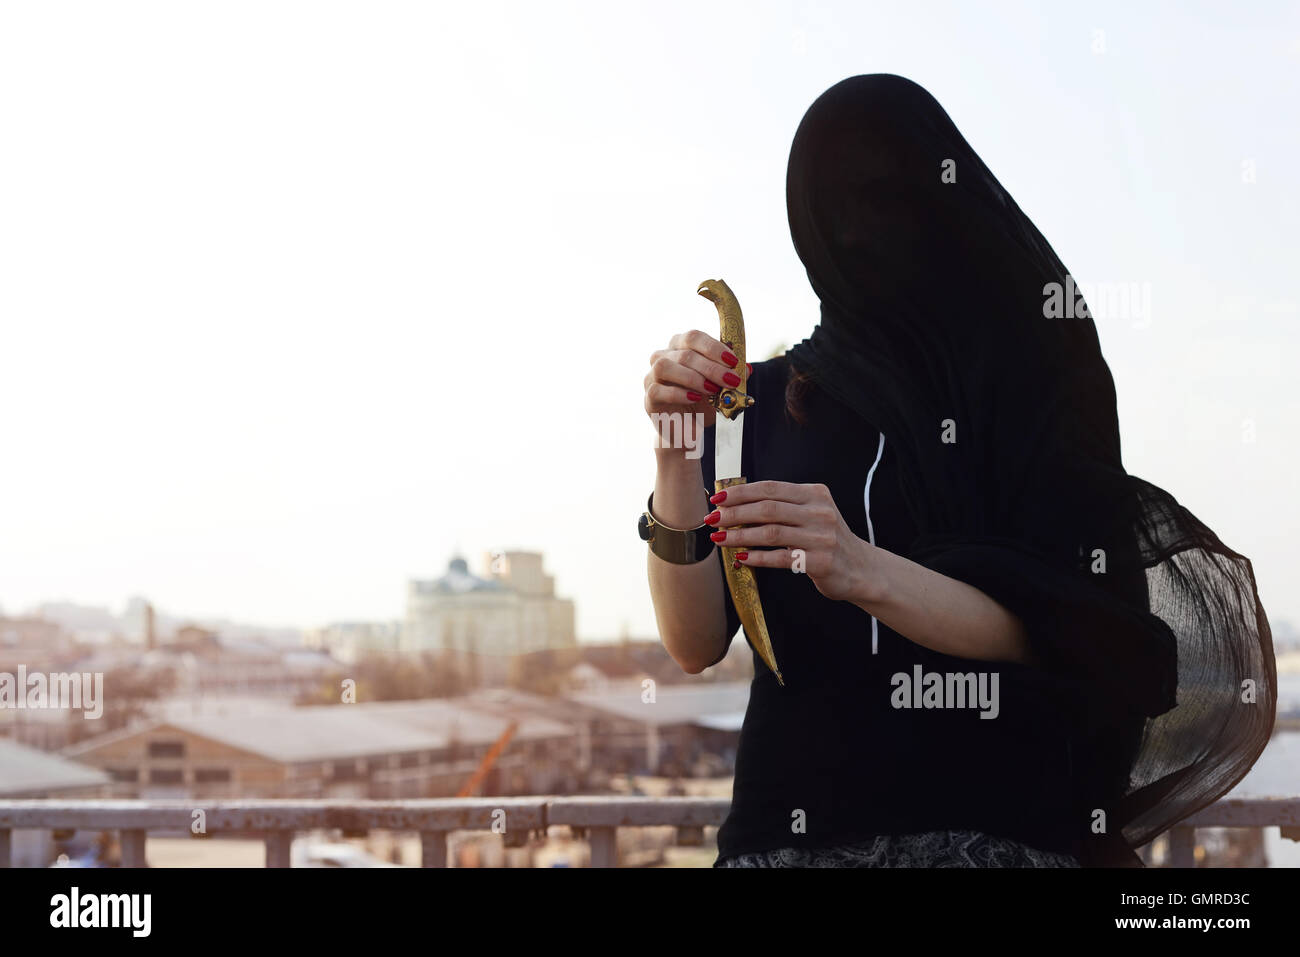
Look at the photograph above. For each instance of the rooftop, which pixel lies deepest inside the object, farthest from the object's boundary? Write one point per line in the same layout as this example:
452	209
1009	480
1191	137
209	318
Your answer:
330	732
26	771
458	580
715	704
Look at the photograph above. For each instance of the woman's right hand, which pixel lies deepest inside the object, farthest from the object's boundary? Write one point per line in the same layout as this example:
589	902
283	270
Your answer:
688	599
682	377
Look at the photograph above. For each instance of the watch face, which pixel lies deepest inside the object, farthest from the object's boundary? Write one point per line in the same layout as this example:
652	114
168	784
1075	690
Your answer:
643	526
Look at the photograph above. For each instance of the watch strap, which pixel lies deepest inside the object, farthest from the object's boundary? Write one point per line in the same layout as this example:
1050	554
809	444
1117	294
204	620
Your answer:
680	546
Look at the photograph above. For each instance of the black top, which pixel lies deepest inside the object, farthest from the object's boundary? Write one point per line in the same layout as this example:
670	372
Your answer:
830	743
943	307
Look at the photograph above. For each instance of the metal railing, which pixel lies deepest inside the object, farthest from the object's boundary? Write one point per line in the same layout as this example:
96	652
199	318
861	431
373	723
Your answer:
1282	813
517	819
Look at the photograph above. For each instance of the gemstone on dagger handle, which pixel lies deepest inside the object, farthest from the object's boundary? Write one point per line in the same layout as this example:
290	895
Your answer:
731	401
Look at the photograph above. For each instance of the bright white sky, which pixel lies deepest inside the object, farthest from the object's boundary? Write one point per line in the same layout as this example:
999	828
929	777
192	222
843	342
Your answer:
298	298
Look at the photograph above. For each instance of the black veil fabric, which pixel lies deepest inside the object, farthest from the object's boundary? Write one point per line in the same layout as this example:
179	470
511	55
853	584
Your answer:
933	327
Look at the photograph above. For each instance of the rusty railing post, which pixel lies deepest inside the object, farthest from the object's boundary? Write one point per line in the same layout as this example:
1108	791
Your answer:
278	844
433	848
1182	846
604	846
132	841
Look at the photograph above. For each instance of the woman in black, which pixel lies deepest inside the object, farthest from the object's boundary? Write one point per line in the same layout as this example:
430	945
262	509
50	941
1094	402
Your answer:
999	648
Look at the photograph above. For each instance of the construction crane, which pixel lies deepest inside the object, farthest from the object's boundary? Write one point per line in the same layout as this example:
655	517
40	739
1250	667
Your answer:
489	759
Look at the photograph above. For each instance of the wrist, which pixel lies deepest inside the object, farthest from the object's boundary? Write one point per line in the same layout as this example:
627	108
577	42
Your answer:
675	461
680	500
873	589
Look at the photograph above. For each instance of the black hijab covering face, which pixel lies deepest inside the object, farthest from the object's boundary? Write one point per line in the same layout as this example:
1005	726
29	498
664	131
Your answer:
933	327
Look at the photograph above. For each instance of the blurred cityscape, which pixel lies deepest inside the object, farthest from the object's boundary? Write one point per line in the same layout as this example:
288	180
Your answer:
482	689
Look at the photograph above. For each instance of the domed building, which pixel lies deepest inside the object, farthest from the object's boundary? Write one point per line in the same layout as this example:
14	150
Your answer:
487	623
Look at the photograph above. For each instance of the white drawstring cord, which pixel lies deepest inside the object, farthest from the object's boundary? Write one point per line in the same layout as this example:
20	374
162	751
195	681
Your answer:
871	532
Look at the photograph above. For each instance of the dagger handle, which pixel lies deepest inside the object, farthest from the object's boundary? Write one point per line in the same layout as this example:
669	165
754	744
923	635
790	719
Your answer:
731	401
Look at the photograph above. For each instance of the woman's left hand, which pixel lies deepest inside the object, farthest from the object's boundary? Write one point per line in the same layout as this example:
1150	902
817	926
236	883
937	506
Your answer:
804	531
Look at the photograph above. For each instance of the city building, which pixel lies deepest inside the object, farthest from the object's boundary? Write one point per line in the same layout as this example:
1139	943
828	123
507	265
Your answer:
428	747
399	749
350	641
486	624
643	727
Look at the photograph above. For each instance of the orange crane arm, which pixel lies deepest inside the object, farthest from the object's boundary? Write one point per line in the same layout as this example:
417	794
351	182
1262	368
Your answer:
489	759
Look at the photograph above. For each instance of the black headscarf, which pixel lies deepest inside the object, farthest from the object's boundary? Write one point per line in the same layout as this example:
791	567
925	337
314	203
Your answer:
933	327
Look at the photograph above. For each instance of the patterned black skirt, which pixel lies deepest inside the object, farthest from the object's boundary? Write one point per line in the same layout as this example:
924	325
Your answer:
928	849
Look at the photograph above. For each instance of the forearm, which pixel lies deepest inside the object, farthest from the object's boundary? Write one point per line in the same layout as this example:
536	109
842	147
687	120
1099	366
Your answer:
937	612
688	599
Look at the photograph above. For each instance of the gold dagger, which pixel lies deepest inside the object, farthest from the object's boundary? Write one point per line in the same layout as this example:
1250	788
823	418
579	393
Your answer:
730	404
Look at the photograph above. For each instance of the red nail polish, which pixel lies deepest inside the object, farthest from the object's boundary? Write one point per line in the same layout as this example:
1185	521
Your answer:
731	379
719	498
719	536
712	518
729	359
694	396
741	556
711	387
735	564
749	369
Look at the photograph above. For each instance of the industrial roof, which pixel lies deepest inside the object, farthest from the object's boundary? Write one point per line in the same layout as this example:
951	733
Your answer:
329	732
731	721
27	771
704	704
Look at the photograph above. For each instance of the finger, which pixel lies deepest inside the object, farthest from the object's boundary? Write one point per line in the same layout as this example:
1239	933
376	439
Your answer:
768	536
713	372
667	370
775	491
659	396
766	512
772	558
705	345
